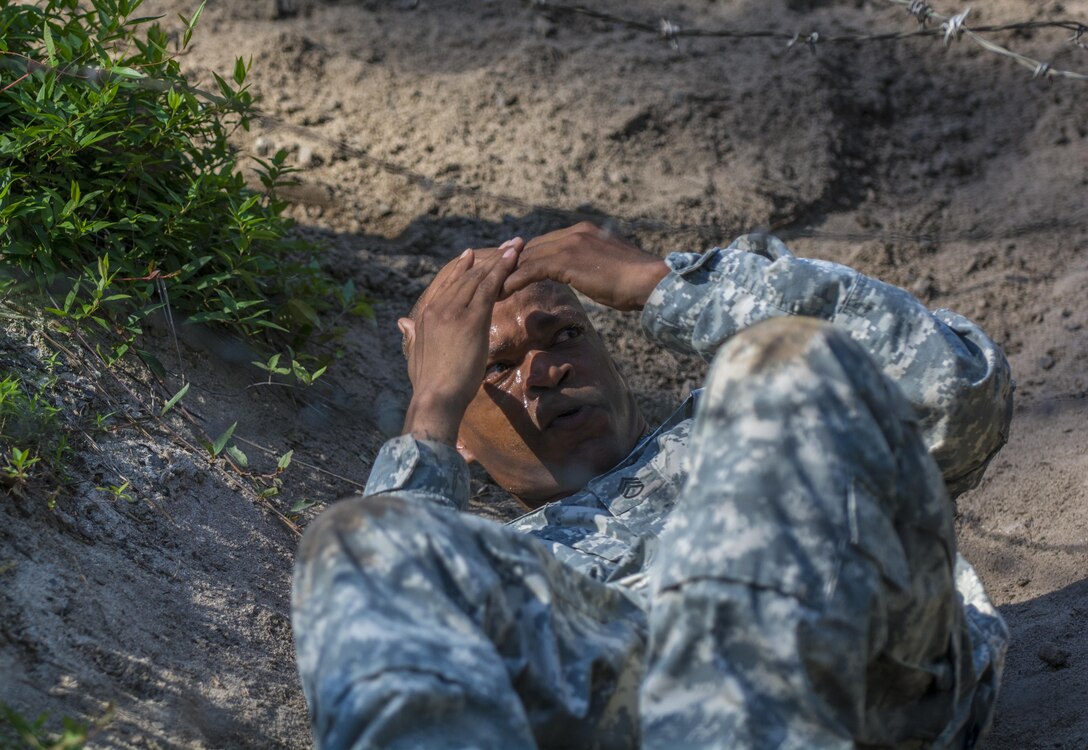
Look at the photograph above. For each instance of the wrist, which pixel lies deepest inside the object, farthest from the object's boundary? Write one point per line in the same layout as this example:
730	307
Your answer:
433	416
650	275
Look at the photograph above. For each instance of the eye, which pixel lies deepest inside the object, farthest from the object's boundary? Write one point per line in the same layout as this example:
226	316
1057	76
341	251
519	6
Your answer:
569	333
496	370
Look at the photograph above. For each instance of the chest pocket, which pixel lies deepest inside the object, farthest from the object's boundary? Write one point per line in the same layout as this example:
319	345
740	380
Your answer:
630	490
645	496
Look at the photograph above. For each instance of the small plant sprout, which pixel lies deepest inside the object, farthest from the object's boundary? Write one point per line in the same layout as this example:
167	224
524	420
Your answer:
18	465
118	491
31	429
304	376
296	369
272	367
102	422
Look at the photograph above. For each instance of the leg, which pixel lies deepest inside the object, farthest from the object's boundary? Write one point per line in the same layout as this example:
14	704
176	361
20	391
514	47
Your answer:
804	596
420	627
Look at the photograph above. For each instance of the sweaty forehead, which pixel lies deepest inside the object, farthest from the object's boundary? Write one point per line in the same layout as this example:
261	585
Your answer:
548	297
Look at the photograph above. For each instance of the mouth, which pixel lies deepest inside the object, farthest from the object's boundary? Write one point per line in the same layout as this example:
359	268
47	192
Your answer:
572	418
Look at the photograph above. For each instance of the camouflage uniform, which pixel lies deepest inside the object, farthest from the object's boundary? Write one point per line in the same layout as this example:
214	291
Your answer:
773	567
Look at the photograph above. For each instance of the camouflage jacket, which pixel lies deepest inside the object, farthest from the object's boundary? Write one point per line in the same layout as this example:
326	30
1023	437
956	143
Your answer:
956	377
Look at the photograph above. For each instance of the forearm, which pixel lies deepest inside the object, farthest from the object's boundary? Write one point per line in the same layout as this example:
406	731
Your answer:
956	377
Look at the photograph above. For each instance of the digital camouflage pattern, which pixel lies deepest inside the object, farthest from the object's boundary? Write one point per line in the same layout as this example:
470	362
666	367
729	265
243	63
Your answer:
956	378
805	593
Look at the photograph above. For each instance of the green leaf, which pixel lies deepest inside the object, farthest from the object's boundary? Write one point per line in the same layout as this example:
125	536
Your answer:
152	363
220	442
174	400
50	47
94	137
302	505
301	309
145	19
71	298
239	71
126	72
196	16
285	460
239	457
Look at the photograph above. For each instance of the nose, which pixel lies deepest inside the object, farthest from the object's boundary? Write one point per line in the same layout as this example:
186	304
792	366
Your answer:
547	370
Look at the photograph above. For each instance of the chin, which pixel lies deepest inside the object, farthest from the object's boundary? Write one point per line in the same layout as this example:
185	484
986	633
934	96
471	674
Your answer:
564	478
588	459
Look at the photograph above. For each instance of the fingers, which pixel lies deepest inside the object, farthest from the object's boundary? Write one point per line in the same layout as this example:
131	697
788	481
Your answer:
583	230
472	273
541	259
491	282
447	277
517	242
482	284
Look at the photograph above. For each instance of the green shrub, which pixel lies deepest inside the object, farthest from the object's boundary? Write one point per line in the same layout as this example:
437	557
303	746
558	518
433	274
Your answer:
119	191
30	427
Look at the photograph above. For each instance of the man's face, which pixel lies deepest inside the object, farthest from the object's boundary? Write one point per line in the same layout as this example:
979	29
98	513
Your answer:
553	410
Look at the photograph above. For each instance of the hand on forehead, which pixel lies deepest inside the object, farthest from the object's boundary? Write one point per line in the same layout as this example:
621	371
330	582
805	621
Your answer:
484	256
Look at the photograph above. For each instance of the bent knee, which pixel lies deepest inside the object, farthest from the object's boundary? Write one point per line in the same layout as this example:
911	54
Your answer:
350	518
776	342
782	341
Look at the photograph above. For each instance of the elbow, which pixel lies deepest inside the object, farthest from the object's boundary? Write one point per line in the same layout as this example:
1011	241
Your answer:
973	424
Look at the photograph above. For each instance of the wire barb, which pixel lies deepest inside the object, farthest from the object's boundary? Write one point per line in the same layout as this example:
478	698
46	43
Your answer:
953	28
810	41
670	31
1077	34
921	11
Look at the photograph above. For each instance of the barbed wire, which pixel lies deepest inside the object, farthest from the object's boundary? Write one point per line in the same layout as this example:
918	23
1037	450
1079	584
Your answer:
630	226
633	226
953	26
951	29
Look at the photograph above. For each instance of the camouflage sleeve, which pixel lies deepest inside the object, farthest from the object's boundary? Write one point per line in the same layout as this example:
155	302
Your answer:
426	469
956	377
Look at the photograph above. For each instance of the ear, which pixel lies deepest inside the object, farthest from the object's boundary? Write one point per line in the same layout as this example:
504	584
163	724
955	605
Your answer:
407	328
469	456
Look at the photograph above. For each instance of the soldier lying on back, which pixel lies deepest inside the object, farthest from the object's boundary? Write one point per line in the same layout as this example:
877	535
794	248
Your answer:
772	567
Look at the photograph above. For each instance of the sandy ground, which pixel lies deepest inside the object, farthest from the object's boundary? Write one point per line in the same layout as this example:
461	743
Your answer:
950	173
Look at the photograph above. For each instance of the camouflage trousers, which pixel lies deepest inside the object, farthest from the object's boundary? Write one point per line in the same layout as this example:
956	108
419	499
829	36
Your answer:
802	595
